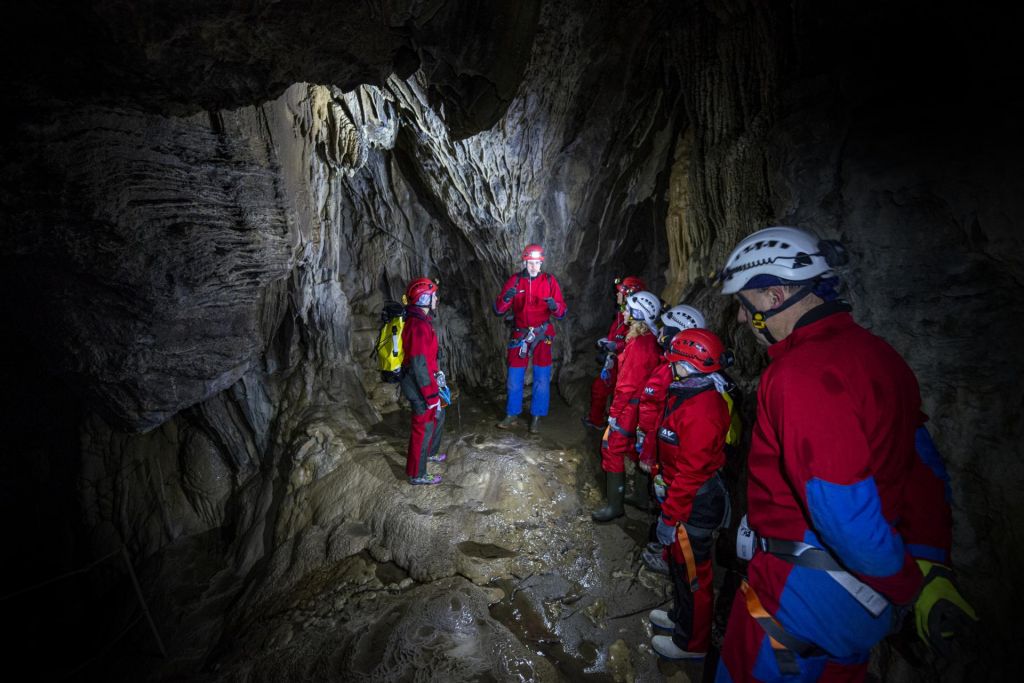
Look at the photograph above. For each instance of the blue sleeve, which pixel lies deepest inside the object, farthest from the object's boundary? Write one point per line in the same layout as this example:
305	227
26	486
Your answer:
930	456
850	522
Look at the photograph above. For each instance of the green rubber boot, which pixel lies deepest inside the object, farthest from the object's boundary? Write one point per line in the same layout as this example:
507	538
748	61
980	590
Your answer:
616	486
641	497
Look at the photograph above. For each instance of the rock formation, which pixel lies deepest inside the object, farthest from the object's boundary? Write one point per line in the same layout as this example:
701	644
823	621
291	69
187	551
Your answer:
204	209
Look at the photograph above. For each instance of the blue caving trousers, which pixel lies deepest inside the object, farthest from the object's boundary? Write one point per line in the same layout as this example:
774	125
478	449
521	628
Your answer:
541	393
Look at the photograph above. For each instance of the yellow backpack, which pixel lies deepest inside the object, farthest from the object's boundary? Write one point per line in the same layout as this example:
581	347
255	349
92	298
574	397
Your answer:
389	350
735	433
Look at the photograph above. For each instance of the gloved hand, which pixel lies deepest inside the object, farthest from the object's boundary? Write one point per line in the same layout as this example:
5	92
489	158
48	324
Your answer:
436	404
666	532
640	436
552	304
510	294
606	344
446	395
439	378
940	613
601	342
605	374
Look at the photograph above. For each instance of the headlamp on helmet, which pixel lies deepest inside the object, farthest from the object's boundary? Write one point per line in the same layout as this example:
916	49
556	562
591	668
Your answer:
533	252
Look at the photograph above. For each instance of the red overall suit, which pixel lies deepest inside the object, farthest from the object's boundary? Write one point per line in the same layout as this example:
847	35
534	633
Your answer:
832	464
637	360
651	409
530	311
419	385
601	389
690	449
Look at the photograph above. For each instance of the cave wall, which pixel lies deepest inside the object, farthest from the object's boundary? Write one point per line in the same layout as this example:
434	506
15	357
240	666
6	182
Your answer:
206	280
196	244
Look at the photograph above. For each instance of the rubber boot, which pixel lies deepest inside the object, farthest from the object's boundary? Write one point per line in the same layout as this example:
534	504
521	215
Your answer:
534	424
509	422
641	497
616	488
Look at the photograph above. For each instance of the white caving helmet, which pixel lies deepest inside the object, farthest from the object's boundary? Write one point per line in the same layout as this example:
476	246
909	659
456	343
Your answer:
645	307
683	317
779	255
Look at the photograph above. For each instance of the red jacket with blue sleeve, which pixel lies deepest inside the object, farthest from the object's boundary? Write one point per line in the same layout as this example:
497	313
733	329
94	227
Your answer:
641	355
529	303
419	348
833	460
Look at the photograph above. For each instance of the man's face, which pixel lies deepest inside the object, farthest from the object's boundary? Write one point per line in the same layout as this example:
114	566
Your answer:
761	301
620	297
533	267
433	301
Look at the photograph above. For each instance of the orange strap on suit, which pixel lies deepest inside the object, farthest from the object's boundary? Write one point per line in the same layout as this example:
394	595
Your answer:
683	539
784	644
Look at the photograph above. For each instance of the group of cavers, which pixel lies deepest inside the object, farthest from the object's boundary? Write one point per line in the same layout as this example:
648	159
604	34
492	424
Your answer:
847	533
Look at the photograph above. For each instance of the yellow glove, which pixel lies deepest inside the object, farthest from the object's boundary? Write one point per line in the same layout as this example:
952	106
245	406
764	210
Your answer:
940	613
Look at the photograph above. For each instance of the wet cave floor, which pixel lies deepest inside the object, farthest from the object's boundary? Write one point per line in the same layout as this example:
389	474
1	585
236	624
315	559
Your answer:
538	593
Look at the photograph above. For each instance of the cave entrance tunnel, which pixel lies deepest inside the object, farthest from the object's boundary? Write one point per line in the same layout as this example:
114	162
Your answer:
200	228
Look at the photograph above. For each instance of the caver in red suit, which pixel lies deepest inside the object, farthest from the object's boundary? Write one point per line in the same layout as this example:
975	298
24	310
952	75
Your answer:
690	443
652	397
845	460
651	410
534	300
833	472
636	361
641	355
419	381
610	346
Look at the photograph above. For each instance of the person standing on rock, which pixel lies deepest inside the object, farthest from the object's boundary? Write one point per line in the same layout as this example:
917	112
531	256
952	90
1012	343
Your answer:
694	501
422	381
610	346
534	298
844	513
639	357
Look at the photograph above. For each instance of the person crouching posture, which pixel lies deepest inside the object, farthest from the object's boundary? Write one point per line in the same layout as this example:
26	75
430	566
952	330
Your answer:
690	451
422	383
639	357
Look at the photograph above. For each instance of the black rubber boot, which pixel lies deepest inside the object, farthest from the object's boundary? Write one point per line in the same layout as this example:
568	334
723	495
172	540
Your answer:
534	424
641	497
508	423
616	485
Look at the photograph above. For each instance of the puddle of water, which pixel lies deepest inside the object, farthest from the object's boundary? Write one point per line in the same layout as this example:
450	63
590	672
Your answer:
517	614
485	551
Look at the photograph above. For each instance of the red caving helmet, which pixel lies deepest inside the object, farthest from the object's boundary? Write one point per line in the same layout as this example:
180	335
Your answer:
533	252
700	348
420	287
629	285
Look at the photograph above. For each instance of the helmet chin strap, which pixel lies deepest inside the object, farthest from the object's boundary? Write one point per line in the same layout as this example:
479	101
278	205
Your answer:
759	319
